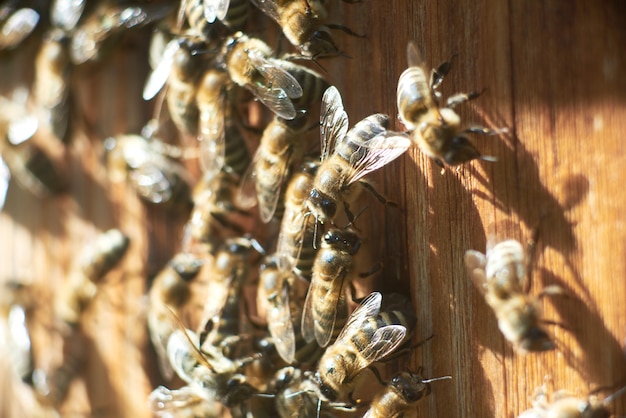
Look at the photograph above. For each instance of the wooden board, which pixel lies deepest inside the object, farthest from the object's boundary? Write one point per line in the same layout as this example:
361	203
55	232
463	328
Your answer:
552	72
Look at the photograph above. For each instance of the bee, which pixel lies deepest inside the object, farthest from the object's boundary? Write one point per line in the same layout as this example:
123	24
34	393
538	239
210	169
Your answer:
301	22
368	336
52	82
215	215
278	291
295	394
171	289
281	145
91	38
347	156
76	296
400	396
566	405
201	14
295	248
249	64
499	275
16	24
65	14
146	163
435	129
325	299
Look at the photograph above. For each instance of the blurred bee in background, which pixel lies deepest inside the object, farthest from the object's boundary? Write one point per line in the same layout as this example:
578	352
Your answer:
92	38
171	289
77	294
202	14
65	14
281	145
295	248
249	64
16	24
435	129
400	396
23	156
147	164
326	300
347	156
567	405
499	275
367	337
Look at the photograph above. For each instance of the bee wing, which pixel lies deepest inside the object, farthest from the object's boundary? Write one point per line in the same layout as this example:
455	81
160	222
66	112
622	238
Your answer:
17	27
413	56
159	334
247	198
334	292
152	183
475	262
280	325
189	400
293	224
380	151
269	7
333	121
384	341
268	200
66	13
5	178
215	9
218	290
212	137
19	344
22	128
369	307
158	77
130	17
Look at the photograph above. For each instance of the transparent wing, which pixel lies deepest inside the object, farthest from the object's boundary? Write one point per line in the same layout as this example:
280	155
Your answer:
269	7
413	56
333	121
269	186
130	17
280	324
158	77
152	183
159	334
379	151
5	178
368	308
247	198
212	136
19	341
292	231
18	27
475	262
22	128
218	289
66	13
384	341
215	9
185	402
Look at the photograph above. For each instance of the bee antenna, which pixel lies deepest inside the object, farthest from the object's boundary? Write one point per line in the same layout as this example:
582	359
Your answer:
611	397
319	408
434	379
315	234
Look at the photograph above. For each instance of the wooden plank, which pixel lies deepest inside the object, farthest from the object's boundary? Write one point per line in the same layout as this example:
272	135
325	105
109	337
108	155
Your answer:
552	71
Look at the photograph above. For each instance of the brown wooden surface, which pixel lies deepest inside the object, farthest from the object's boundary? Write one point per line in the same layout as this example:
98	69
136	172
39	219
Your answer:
554	73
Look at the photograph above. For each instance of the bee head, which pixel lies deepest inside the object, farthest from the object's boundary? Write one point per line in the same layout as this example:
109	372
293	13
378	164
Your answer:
326	392
411	386
325	203
535	339
346	240
186	266
460	150
319	44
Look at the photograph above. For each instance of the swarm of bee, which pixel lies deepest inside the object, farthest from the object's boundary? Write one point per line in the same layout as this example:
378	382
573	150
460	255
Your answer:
272	212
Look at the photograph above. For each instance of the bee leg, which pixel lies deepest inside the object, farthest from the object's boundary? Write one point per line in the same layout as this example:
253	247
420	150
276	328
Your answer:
556	324
377	375
373	270
382	199
437	75
460	98
345	29
481	130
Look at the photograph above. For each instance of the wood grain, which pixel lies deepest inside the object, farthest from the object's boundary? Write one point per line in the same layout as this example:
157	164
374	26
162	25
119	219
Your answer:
553	73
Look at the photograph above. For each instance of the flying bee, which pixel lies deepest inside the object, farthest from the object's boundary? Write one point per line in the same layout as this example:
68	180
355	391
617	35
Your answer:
249	64
278	292
567	405
368	336
295	248
171	289
301	22
146	163
93	35
16	24
400	396
435	129
347	156
325	299
76	296
281	145
499	275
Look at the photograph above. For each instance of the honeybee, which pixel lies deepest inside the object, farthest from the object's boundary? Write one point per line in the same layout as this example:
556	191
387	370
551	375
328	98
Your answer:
215	216
368	336
78	292
51	86
499	275
325	299
106	23
16	24
400	396
295	248
281	145
301	22
295	394
567	405
435	129
170	289
249	64
347	156
24	158
146	163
